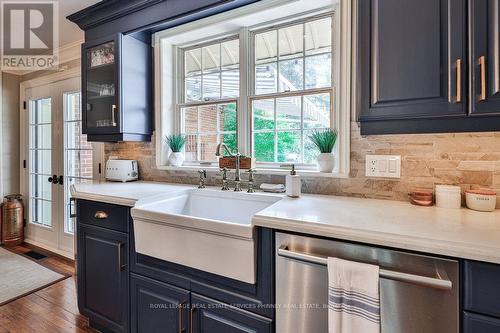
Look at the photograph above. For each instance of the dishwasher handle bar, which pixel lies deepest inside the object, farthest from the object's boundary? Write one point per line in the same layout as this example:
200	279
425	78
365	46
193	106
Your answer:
441	282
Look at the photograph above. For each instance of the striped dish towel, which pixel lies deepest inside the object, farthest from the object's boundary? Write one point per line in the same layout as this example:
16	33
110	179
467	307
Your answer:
353	297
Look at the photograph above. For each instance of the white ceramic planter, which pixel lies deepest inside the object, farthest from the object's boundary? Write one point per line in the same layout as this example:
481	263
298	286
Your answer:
326	162
176	159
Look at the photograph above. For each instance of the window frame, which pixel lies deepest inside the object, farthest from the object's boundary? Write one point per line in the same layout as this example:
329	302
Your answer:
198	132
343	36
296	93
181	98
182	64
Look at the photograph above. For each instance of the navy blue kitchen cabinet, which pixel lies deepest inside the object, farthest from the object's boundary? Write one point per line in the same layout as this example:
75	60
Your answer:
484	56
160	307
255	297
481	297
428	66
211	316
124	291
412	64
481	288
117	89
157	307
475	323
117	61
103	277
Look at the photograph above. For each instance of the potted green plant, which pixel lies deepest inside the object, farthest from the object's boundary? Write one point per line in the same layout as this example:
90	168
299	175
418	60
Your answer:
176	142
324	140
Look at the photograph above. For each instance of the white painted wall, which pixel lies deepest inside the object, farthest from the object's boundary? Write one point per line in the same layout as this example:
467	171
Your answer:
9	134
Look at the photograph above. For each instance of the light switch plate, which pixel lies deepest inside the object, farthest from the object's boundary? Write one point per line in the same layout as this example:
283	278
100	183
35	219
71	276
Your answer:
387	166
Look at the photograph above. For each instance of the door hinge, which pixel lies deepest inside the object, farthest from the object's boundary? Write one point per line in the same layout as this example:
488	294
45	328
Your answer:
99	169
24	164
24	222
24	105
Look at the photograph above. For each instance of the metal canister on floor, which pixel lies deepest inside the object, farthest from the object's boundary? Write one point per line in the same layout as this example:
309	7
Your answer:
12	220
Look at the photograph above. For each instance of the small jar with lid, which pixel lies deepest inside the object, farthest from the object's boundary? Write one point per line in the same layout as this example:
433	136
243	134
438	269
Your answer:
448	196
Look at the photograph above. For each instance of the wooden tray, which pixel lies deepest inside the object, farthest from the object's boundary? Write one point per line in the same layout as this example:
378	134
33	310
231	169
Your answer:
229	162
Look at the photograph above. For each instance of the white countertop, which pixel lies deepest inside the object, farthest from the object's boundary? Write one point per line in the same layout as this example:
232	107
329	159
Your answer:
125	194
461	233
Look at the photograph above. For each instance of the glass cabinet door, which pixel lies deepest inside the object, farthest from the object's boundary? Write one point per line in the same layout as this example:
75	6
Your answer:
101	89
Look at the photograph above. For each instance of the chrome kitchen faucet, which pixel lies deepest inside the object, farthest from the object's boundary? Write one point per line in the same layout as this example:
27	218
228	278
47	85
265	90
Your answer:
237	179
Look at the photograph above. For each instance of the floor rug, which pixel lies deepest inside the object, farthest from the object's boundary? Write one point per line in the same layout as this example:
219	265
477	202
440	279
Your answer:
20	276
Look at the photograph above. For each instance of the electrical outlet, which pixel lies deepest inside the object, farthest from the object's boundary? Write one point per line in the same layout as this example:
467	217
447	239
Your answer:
372	165
387	166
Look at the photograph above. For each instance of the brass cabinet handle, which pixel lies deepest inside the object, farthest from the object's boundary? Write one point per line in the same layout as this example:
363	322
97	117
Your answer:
191	315
181	306
121	266
100	215
459	80
482	68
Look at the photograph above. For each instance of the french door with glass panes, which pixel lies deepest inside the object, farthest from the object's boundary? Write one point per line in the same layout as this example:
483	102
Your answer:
58	156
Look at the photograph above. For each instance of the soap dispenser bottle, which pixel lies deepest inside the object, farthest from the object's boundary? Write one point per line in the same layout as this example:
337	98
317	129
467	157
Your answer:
293	184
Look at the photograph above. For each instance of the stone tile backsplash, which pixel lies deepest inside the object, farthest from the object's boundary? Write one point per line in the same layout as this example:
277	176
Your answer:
464	159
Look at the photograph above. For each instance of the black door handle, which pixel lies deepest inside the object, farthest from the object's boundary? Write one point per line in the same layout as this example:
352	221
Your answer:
53	179
60	180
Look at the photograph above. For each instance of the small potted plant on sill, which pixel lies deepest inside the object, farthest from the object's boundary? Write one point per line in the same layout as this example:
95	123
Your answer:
176	142
324	140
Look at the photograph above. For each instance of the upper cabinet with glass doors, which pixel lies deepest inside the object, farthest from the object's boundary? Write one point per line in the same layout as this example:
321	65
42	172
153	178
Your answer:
116	89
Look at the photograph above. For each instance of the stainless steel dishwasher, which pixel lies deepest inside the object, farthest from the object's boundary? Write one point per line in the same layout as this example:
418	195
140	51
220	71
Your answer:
417	293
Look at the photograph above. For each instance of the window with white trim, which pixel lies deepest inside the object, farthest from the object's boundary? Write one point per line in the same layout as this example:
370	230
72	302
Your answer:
293	90
211	80
257	84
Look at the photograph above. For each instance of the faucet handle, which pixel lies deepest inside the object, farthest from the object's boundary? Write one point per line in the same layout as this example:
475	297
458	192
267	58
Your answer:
224	173
225	186
251	172
203	176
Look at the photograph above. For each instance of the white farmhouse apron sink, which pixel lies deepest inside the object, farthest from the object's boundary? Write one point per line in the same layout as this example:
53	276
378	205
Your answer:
206	229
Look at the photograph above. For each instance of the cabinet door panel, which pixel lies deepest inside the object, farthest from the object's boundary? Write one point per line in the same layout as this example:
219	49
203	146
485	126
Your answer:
210	316
157	307
481	287
103	276
400	52
474	323
408	57
485	52
101	86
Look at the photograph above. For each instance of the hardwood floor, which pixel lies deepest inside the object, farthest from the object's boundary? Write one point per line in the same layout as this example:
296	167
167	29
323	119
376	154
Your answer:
50	310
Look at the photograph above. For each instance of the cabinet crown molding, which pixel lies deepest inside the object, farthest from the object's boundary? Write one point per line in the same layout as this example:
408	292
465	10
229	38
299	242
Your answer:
108	10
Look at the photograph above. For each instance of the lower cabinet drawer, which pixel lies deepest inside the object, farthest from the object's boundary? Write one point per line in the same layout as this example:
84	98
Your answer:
482	287
474	323
211	316
157	307
103	215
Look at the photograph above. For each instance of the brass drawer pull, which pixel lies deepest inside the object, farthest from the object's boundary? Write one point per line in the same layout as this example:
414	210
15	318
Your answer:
181	307
482	68
100	215
459	80
191	315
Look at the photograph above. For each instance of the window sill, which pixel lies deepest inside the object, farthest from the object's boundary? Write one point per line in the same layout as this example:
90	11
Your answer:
262	171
